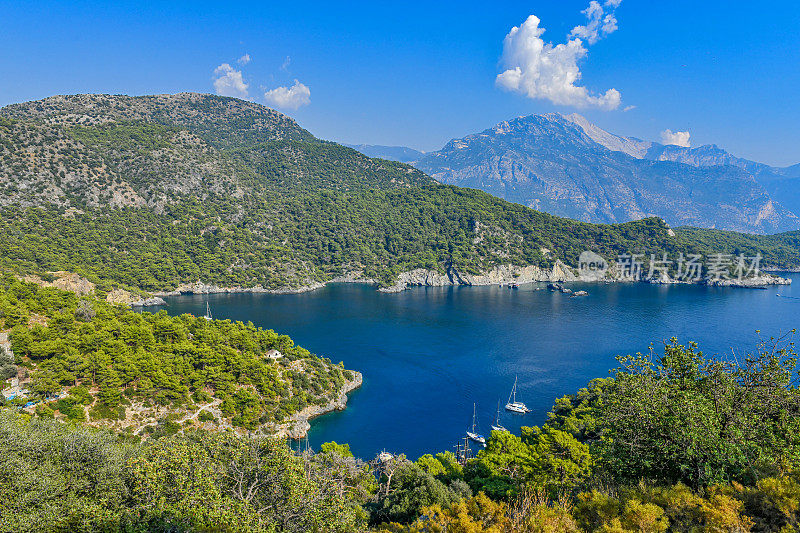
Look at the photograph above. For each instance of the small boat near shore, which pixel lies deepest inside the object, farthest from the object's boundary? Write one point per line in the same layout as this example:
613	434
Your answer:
497	426
473	433
513	405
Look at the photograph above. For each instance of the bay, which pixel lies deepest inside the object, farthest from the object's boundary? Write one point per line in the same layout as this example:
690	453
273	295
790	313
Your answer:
429	353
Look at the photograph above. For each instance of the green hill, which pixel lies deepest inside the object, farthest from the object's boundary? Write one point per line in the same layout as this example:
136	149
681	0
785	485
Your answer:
781	250
152	192
141	373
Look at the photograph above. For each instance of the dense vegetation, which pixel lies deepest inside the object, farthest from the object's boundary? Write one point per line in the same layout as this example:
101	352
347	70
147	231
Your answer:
55	477
311	237
780	251
152	192
672	442
152	371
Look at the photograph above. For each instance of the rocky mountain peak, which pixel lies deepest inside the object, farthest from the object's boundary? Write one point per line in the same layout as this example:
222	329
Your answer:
568	166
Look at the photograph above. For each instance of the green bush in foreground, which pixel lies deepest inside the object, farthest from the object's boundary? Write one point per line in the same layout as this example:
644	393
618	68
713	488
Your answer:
55	477
675	442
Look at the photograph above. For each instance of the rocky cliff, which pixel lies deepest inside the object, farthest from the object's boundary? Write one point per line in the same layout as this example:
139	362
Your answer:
567	166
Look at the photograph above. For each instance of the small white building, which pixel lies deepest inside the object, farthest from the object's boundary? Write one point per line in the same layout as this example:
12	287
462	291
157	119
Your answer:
274	354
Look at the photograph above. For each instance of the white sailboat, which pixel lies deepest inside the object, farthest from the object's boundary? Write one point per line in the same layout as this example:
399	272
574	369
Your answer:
497	426
513	405
474	435
207	316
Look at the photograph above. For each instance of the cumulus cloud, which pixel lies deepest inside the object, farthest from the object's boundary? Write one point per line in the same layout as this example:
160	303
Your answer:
245	59
600	22
543	70
289	97
229	82
678	138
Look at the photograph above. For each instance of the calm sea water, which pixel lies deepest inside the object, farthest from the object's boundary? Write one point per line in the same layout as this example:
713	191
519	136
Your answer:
428	354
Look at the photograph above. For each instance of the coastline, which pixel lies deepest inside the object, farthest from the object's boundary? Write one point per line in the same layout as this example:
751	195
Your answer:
296	427
203	288
299	424
499	275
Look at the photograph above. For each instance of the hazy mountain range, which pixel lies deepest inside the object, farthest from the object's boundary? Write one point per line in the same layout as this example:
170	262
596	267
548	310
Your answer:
565	165
403	154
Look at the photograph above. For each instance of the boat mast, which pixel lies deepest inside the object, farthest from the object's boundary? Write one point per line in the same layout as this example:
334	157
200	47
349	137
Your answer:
473	417
513	392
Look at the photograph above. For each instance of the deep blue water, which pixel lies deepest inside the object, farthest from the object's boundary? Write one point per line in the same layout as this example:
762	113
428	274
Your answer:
428	353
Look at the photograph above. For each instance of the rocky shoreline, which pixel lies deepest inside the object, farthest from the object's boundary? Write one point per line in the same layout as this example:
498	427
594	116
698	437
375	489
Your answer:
499	275
420	277
299	423
202	288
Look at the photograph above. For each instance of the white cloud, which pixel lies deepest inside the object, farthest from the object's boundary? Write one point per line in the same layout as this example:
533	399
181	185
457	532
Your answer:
229	82
542	70
245	59
678	138
289	97
286	63
600	23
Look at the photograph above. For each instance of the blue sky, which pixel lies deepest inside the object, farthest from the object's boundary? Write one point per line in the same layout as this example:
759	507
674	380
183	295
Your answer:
419	74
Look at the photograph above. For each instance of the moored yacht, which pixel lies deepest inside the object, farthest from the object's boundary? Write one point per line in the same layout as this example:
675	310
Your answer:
513	405
497	426
473	434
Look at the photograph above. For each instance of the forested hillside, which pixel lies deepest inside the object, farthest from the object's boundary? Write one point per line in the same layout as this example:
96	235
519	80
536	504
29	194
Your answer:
153	192
781	249
81	359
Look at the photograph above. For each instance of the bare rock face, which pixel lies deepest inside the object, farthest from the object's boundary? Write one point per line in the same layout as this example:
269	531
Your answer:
202	288
66	281
499	275
149	302
568	167
123	297
120	297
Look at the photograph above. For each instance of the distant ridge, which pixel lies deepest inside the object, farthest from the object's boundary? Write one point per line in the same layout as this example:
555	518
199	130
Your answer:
781	183
565	165
402	154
